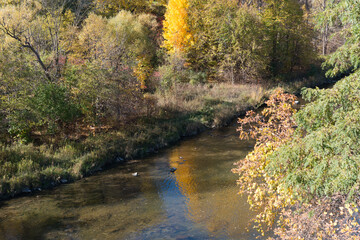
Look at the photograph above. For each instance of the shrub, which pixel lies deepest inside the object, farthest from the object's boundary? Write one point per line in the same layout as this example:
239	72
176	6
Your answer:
52	104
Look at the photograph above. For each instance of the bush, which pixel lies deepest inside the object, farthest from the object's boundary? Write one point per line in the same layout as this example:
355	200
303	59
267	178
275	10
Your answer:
52	105
311	171
21	124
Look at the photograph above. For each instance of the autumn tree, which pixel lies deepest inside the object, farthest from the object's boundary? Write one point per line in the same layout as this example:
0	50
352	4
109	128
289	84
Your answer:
303	175
177	33
22	27
119	52
248	40
33	33
321	164
271	128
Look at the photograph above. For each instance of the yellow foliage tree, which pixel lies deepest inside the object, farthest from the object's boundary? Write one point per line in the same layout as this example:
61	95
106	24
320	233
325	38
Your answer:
177	33
271	129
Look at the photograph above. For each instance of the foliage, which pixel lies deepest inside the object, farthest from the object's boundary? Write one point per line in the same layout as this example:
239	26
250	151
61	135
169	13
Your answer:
50	107
54	72
323	218
289	36
123	43
174	71
324	153
272	128
110	8
249	41
344	13
177	35
325	158
230	49
52	104
313	169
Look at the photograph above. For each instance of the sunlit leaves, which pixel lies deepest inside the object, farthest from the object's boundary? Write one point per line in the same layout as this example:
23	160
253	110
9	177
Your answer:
326	143
346	57
177	33
230	40
314	170
271	128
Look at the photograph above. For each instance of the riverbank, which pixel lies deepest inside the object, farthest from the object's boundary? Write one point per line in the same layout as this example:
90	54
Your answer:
186	111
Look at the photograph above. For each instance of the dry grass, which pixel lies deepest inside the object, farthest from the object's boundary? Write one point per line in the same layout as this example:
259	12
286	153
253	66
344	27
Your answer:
192	98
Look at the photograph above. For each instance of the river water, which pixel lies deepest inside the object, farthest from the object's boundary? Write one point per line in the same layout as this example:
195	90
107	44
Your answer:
198	201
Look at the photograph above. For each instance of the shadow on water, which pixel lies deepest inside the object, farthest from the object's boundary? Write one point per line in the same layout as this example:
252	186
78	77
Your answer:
198	201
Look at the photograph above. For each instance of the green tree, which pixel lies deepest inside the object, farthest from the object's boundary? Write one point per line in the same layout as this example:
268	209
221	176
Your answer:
228	40
120	55
239	52
347	56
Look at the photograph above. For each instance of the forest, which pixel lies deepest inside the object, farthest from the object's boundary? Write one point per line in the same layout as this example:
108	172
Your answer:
88	83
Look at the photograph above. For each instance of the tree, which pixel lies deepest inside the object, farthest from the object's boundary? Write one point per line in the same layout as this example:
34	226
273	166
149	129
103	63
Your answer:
236	43
304	170
271	128
247	40
110	8
320	163
289	36
228	40
347	56
41	28
119	58
34	54
22	25
177	35
320	6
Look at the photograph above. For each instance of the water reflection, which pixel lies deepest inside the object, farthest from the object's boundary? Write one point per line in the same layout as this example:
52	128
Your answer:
205	179
198	201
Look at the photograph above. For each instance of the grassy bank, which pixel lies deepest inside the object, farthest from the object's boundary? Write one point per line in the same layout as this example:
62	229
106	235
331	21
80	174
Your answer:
186	110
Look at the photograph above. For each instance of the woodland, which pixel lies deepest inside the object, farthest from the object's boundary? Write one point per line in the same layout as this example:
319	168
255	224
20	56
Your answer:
88	83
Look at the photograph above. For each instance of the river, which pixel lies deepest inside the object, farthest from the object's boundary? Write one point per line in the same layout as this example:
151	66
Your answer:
198	201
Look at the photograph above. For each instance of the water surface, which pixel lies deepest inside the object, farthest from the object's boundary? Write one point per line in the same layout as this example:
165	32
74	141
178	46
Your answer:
198	201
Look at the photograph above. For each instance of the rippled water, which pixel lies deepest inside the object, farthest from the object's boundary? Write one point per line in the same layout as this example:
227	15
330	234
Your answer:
198	201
